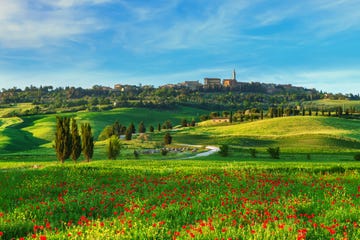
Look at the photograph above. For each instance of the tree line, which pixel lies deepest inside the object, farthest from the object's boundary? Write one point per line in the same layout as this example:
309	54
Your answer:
69	143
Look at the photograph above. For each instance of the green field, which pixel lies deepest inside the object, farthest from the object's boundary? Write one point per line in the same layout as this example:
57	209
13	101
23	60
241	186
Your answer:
181	200
311	192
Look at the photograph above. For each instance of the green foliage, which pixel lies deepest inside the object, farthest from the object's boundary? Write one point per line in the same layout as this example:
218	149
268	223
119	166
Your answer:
151	128
167	138
164	151
75	141
62	138
357	157
142	128
252	152
129	133
167	125
224	150
87	141
184	123
136	154
274	152
113	147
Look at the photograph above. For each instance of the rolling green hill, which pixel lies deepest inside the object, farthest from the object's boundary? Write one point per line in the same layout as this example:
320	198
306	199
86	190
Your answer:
33	132
292	134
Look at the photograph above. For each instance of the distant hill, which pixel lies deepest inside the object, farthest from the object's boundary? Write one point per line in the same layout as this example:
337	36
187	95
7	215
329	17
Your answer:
292	134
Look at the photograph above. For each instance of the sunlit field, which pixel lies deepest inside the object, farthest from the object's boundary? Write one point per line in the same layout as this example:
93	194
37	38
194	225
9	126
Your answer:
181	200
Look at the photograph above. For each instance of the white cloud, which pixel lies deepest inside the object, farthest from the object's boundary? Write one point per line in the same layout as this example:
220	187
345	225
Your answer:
25	27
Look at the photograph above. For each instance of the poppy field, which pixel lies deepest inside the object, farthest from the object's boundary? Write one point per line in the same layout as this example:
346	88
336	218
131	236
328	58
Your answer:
179	200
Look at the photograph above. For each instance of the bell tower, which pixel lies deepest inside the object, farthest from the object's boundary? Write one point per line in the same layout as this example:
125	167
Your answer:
234	75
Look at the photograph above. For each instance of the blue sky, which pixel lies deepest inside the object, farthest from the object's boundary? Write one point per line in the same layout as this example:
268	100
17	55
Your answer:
310	43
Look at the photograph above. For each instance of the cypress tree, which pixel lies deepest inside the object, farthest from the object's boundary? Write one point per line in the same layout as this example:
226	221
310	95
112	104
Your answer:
167	139
128	133
62	138
142	128
87	141
75	141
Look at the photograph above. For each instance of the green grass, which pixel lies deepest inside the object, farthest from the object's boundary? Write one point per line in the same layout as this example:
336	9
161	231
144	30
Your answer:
183	199
31	132
292	134
335	103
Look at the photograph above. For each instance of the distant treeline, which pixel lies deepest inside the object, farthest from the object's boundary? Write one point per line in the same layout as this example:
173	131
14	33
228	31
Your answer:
48	99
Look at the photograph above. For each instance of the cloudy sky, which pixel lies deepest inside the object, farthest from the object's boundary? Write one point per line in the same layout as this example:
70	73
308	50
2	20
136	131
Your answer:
310	43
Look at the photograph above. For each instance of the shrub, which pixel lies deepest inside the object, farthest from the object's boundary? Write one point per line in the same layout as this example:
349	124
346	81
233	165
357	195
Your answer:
224	150
164	151
274	152
136	154
113	149
252	152
357	157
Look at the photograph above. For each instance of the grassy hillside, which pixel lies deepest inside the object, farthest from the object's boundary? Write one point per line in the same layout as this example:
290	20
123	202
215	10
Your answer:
334	103
33	132
291	134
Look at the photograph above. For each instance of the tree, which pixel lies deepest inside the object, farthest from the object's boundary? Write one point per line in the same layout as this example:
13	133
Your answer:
142	128
167	139
128	133
184	123
159	127
224	150
87	141
132	127
113	147
75	141
151	128
62	138
274	152
117	128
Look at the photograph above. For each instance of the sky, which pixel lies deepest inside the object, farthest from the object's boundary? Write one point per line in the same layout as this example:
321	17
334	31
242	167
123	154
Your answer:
82	43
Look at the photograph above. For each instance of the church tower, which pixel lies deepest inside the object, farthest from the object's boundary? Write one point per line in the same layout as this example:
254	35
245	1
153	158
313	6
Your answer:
234	75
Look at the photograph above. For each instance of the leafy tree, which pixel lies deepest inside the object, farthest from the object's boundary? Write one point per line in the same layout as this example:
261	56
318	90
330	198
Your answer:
224	150
193	123
184	123
106	133
274	152
167	125
75	141
142	128
167	139
252	152
87	141
357	157
113	147
62	138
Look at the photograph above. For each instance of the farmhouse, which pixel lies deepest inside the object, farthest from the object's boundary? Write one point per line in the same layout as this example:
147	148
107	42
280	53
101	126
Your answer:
221	120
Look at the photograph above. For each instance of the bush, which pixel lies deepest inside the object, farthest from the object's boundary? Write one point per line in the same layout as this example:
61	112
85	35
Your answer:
274	152
164	151
136	154
252	152
357	157
113	148
224	150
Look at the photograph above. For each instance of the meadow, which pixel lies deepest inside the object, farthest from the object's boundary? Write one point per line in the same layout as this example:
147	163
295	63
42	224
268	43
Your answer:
181	199
311	192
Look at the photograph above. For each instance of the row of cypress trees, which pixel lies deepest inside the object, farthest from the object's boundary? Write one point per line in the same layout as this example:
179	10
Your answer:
68	142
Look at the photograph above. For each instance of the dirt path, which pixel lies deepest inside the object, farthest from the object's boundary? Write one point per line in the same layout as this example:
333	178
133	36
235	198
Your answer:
212	150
